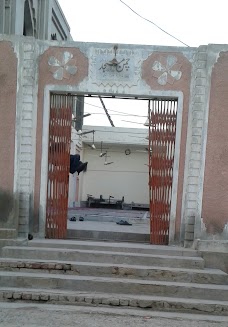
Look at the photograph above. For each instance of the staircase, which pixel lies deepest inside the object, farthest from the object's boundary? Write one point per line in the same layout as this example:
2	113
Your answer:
113	274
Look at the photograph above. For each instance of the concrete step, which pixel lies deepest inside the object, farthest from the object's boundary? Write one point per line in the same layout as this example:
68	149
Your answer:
115	247
12	242
164	304
220	246
114	285
8	233
118	236
102	257
123	315
205	276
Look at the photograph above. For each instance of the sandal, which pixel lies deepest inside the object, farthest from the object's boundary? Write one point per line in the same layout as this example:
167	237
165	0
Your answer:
123	222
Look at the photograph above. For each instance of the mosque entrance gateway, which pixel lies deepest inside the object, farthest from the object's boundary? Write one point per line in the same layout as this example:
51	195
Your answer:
43	72
162	116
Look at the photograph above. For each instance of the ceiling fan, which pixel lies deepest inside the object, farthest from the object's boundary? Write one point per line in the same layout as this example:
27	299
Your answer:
107	162
93	145
88	132
102	154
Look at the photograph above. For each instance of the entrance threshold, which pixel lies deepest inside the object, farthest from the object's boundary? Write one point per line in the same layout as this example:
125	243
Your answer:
103	225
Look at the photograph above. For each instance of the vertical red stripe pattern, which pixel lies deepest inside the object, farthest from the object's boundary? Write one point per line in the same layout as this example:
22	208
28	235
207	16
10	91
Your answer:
58	165
162	133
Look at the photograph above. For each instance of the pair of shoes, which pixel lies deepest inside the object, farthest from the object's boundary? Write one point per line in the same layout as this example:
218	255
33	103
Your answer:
123	222
72	219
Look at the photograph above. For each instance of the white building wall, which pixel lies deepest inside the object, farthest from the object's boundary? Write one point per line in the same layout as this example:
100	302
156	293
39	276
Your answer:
47	18
59	25
116	135
127	176
73	178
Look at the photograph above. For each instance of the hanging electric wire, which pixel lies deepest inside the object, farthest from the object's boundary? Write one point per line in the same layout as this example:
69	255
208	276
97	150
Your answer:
148	20
120	112
106	111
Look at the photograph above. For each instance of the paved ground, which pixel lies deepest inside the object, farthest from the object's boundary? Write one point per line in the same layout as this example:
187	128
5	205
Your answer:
108	227
105	220
41	315
100	214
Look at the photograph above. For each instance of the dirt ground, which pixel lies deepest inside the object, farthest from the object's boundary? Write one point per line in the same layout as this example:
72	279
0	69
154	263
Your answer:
41	315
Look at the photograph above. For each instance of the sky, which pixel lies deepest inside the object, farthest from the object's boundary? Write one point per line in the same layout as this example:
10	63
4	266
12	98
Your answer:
195	23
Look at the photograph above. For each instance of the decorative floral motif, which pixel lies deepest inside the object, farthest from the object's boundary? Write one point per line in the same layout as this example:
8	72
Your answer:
62	65
167	70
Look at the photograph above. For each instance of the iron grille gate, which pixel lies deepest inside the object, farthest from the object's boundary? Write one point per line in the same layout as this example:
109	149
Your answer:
162	133
58	165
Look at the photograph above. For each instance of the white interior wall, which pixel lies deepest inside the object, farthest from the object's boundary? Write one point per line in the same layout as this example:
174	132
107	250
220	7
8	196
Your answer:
73	178
127	176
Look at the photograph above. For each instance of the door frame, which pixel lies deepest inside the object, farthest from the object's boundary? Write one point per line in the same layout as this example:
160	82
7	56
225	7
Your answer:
45	141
